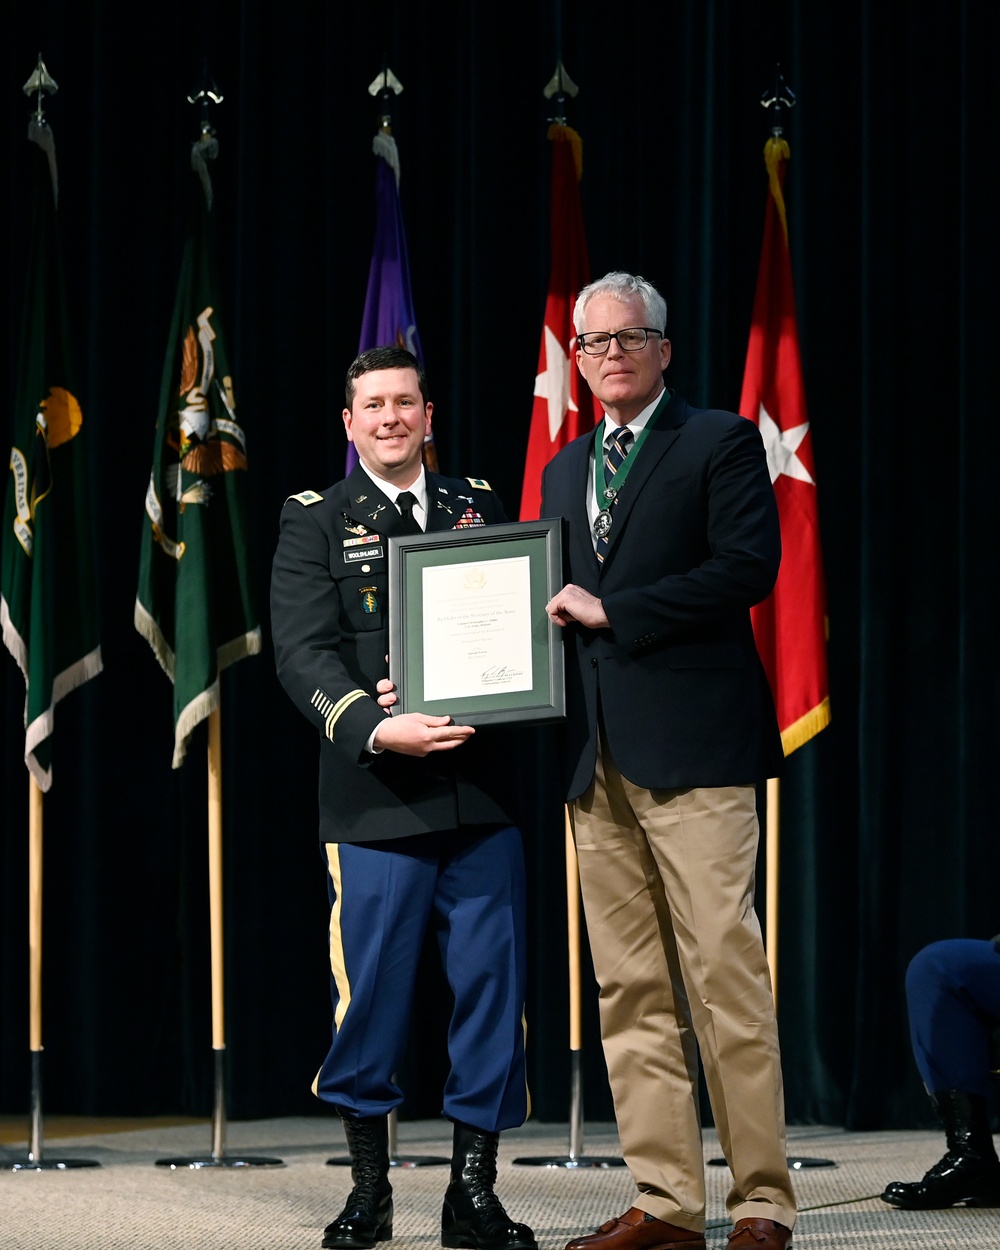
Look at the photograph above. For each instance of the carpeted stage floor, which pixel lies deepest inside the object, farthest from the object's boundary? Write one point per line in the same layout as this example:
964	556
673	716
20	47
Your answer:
133	1202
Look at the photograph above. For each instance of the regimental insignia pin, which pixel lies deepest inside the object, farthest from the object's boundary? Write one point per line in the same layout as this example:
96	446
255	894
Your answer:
369	599
442	504
379	508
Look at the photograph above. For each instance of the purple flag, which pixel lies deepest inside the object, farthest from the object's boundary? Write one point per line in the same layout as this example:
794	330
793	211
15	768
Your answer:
388	317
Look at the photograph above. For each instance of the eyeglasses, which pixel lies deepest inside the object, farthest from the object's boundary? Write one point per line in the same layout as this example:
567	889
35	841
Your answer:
633	339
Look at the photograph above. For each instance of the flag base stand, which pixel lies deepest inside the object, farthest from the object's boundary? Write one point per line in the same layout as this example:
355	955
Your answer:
408	1161
796	1162
36	1161
218	1158
575	1158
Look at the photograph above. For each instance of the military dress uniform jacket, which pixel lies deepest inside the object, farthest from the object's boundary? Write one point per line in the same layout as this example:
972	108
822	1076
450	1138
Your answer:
329	620
694	543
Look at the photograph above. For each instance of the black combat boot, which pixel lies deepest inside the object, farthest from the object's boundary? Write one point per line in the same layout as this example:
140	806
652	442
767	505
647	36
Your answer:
367	1214
473	1217
969	1172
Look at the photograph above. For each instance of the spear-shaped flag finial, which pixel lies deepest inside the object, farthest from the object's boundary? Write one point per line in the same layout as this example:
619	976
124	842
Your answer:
776	98
206	147
560	85
385	85
37	85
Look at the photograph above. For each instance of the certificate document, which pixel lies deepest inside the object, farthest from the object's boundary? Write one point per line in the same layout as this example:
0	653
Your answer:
477	628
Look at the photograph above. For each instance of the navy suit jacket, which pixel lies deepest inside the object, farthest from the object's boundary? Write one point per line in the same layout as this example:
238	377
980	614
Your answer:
695	542
330	623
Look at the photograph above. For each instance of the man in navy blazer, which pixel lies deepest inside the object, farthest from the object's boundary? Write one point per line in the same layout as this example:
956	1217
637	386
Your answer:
672	536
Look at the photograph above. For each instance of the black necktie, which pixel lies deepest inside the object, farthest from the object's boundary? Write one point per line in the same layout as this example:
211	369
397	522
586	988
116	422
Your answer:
409	523
614	454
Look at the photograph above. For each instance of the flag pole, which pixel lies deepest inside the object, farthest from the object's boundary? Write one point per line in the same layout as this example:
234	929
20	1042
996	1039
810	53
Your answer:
574	1158
210	406
218	1157
772	830
23	582
388	318
560	403
36	1161
773	397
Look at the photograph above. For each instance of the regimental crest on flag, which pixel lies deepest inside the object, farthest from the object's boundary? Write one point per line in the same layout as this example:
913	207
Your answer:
194	603
48	593
199	445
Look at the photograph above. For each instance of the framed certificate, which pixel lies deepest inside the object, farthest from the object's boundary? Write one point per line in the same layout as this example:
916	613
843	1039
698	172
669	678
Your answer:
468	634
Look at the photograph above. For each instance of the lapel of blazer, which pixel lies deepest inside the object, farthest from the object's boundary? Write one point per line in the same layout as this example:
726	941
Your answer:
583	561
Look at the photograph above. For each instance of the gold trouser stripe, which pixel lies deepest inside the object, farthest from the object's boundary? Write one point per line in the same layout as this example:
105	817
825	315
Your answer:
338	965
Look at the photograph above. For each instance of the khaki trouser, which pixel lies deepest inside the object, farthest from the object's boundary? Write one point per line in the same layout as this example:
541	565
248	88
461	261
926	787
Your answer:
667	879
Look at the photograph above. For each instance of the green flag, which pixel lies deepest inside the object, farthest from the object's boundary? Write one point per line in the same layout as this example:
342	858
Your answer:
48	600
194	605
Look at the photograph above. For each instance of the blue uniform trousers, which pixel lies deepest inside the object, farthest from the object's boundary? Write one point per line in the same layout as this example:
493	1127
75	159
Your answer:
953	1000
469	885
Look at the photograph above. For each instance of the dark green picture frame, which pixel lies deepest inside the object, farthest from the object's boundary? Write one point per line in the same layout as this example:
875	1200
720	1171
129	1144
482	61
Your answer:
541	542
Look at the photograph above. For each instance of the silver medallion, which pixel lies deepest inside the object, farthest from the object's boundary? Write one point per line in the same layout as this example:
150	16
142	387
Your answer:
602	525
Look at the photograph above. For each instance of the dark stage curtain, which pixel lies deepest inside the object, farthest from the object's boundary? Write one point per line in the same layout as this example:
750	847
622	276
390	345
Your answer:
889	836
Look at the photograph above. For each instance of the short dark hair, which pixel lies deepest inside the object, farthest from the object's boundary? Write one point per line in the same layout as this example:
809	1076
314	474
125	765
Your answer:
384	358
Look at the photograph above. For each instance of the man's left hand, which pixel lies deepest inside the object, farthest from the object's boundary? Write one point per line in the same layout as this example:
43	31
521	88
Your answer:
573	603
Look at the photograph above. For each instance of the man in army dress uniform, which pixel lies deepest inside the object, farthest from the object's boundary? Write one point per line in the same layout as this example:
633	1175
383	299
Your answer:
412	820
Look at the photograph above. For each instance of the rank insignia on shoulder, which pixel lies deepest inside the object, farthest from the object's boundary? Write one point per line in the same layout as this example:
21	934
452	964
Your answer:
369	598
306	497
479	483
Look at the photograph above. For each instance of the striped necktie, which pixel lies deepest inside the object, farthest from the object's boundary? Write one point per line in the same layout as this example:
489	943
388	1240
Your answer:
409	523
614	454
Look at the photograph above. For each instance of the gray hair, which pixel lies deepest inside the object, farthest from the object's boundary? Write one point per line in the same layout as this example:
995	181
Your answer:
623	286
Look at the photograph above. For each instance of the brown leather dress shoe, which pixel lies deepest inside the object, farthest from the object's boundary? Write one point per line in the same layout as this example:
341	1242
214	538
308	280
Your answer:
760	1235
635	1230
